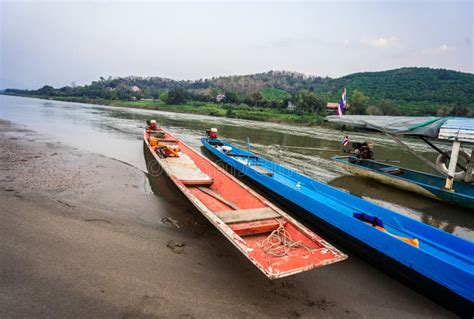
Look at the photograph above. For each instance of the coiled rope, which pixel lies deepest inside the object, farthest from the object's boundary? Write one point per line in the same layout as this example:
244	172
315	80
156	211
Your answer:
279	242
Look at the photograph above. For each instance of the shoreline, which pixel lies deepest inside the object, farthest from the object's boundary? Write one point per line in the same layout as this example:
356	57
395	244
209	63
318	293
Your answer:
83	235
216	110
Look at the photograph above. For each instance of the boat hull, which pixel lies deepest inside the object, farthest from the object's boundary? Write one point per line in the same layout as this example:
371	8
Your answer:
245	218
430	187
445	282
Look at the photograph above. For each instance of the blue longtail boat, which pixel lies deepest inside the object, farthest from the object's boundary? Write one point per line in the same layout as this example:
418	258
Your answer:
454	185
407	179
436	263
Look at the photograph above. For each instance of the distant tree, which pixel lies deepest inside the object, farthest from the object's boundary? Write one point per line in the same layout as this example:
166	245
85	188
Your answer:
443	110
177	96
460	110
307	101
256	99
164	97
358	103
155	94
231	97
46	90
388	108
373	110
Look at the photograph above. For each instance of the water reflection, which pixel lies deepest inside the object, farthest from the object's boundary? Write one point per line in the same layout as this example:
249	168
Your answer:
450	218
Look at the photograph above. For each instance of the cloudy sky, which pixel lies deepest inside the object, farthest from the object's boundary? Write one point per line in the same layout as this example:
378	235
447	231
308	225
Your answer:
57	43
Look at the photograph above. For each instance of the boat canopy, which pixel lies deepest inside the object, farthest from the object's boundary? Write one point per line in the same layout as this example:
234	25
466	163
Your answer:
457	128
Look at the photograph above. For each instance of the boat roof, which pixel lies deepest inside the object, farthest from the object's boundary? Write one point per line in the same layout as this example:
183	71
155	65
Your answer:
445	128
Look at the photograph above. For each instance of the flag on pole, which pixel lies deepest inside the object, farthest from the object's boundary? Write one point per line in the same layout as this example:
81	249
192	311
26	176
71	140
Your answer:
345	140
342	104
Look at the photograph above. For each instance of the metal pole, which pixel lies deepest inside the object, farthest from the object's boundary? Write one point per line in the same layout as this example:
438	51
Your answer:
470	168
452	165
441	152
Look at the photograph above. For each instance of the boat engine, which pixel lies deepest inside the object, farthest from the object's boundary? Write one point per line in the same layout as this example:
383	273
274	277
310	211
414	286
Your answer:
211	132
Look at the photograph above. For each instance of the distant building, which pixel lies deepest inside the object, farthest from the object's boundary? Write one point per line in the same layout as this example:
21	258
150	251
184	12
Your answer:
135	88
332	107
220	97
291	106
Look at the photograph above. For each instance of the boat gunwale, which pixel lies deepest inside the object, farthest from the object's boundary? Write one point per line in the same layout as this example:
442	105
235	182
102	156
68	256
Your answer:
340	159
460	256
422	260
231	235
396	216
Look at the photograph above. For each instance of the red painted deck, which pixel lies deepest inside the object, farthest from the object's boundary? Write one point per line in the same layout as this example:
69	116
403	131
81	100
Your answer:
243	216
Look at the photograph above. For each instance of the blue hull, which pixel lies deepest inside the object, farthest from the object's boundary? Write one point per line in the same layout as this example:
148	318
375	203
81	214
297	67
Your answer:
411	180
442	258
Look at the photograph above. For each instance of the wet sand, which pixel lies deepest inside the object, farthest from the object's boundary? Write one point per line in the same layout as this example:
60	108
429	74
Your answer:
83	235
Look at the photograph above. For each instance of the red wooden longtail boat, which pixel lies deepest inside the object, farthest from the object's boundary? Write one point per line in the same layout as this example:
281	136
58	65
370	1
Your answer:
272	240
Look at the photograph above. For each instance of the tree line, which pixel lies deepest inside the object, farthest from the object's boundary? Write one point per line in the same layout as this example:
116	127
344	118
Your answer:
406	91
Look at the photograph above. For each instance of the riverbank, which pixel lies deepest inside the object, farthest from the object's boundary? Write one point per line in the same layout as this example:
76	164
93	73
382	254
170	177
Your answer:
205	108
83	235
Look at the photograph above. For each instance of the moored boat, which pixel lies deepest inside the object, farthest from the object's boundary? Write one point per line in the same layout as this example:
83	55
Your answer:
457	184
418	182
434	262
272	240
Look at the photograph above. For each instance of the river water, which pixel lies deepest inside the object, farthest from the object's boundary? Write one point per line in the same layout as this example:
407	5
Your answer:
117	133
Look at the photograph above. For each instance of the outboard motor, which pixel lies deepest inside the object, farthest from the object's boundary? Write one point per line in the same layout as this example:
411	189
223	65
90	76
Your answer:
211	132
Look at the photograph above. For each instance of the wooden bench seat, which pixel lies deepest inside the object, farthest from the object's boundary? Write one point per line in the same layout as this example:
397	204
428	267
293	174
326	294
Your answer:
163	140
247	215
257	227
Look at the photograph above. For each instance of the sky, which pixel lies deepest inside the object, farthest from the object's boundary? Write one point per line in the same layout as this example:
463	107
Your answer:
58	43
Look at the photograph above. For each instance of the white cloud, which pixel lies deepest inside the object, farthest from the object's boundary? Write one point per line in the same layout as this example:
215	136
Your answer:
442	49
382	42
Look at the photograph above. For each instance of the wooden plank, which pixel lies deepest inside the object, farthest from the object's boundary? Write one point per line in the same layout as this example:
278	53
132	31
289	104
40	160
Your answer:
262	170
247	215
210	192
163	140
257	227
184	168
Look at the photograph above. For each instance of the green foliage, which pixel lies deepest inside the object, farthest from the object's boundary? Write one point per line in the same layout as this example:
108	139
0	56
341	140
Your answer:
410	91
177	96
388	108
231	97
272	94
460	110
416	91
358	103
164	97
307	101
373	110
256	99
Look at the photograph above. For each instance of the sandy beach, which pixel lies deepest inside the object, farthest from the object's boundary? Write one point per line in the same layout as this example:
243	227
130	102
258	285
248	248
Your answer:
84	236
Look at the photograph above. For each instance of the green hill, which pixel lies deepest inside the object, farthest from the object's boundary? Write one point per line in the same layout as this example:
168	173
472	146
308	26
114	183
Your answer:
409	91
412	89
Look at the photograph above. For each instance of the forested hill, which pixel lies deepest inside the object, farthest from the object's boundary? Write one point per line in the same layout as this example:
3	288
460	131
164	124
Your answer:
408	91
408	86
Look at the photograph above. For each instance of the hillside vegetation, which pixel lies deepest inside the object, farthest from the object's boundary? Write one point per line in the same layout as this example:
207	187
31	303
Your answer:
406	91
